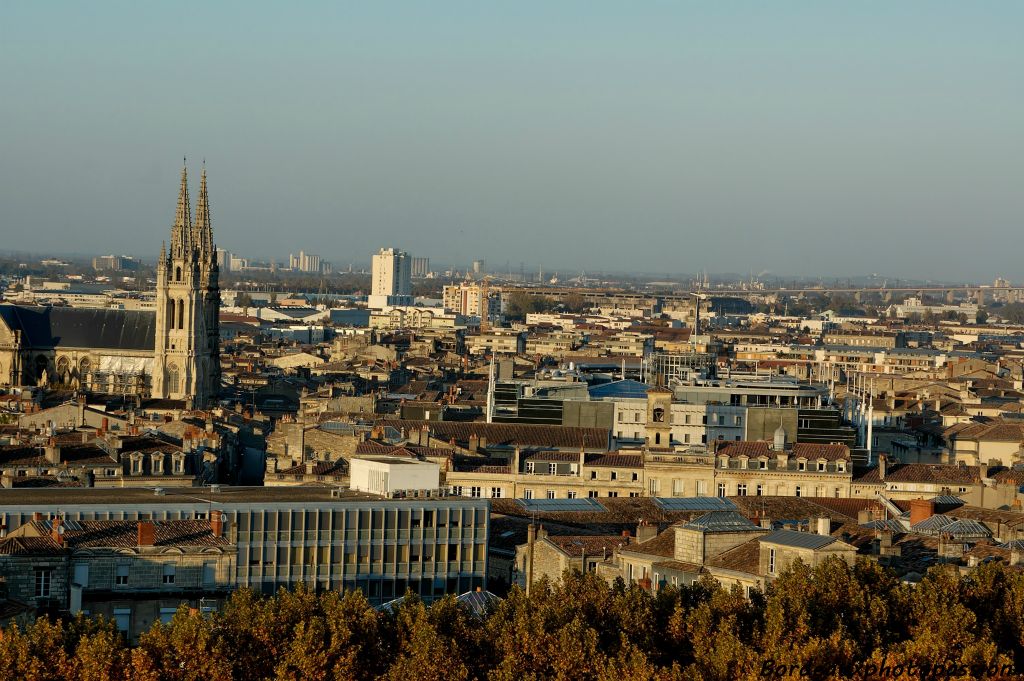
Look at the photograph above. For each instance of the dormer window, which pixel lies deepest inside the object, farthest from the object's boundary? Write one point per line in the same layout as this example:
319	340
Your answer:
841	466
801	465
821	466
762	464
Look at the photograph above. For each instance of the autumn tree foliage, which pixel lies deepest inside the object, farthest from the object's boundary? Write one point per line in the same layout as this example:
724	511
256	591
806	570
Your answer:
831	622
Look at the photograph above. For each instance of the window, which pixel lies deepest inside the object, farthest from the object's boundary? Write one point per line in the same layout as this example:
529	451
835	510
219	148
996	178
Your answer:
551	494
123	619
841	466
167	614
686	438
653	486
737	420
838	492
495	492
721	489
474	492
529	467
613	494
615	475
620	417
593	475
677	487
528	494
209	573
570	495
81	577
552	468
168	573
457	490
687	420
962	489
592	494
762	464
759	490
801	465
702	488
741	490
121	577
636	476
44	577
821	466
658	415
771	561
798	490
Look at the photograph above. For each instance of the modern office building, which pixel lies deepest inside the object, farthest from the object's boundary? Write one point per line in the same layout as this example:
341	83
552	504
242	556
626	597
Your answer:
426	540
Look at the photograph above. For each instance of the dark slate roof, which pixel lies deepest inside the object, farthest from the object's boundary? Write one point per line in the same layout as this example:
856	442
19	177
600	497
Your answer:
803	540
721	521
72	327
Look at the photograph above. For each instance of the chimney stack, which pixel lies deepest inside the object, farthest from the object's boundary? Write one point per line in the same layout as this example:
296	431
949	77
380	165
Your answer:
56	531
824	526
921	510
146	534
883	460
217	523
645	531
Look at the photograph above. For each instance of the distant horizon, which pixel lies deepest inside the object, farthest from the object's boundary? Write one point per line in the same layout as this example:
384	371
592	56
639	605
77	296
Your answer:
787	137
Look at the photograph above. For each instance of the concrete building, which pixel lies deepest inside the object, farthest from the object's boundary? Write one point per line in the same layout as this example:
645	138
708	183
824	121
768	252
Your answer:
391	278
328	537
420	268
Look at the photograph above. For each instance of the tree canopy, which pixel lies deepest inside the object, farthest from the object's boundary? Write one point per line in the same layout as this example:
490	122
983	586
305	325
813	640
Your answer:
831	622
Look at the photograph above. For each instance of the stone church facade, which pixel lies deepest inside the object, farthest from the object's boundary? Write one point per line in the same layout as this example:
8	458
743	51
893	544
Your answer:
173	353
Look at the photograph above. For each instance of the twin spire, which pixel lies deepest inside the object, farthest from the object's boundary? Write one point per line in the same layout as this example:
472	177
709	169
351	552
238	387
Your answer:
188	236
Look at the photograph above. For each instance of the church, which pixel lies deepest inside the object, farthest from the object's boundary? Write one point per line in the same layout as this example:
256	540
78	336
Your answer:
172	353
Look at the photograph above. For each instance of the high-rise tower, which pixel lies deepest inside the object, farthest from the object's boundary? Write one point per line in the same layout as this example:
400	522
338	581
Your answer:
187	358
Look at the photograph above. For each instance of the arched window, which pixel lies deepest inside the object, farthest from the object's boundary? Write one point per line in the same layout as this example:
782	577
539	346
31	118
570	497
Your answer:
41	364
181	314
170	314
177	274
63	371
173	378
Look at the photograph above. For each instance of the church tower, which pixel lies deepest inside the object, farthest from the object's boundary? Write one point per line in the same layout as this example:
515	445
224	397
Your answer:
187	358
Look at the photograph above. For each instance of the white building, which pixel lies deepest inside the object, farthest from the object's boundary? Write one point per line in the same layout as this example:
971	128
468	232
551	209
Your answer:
391	278
385	475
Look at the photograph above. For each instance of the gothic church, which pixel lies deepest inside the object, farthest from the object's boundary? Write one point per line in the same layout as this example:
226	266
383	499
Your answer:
172	353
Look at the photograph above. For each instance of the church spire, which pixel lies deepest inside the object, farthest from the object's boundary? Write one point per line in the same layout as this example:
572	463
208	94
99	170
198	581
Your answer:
181	233
203	226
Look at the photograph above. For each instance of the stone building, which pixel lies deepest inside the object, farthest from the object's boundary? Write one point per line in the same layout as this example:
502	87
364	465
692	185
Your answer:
134	572
172	353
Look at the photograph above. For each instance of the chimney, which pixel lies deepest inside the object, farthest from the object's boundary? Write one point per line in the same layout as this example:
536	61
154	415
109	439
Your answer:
514	463
645	531
52	453
766	523
824	526
921	510
531	540
106	424
882	461
474	443
56	531
217	523
81	411
309	467
146	534
864	516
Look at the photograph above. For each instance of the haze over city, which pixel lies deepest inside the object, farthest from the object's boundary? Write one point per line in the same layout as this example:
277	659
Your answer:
799	138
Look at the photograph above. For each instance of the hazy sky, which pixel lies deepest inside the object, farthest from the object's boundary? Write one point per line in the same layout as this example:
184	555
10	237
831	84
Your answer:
827	138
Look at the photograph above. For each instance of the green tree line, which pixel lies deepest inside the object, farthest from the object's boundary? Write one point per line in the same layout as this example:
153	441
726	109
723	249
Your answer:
831	622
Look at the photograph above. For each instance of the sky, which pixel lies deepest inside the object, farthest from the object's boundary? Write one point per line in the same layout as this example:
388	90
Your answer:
797	138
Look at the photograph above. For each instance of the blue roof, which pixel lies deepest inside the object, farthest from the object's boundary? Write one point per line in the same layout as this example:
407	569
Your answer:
623	388
695	503
581	505
721	521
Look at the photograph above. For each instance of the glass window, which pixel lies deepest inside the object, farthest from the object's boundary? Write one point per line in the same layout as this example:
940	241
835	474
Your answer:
168	573
44	577
121	576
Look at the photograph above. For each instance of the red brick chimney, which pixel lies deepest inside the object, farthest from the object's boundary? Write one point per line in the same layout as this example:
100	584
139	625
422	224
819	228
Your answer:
217	523
920	510
146	533
55	531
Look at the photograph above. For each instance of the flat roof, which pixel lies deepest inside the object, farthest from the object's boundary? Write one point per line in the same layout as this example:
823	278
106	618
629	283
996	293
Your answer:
136	496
